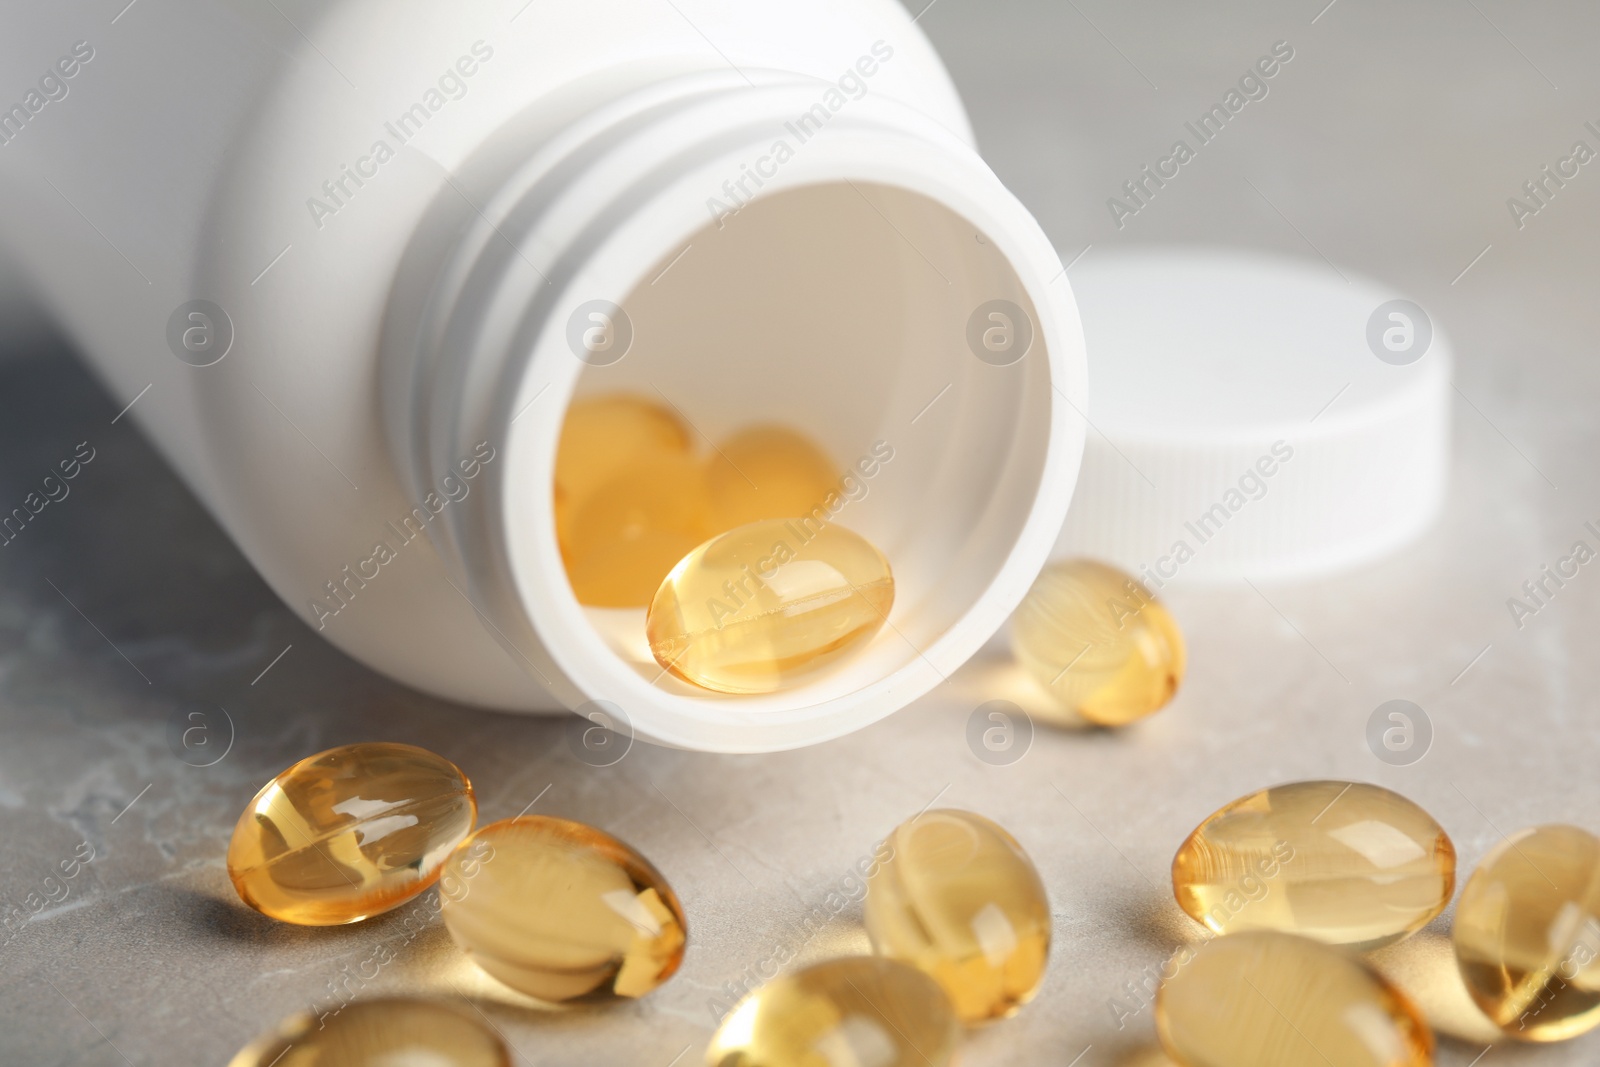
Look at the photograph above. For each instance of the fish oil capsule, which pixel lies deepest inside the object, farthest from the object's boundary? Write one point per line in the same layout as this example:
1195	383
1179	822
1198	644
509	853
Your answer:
387	1032
602	435
559	910
1266	999
769	605
1101	645
767	472
350	832
960	900
1342	862
627	534
858	1011
1527	933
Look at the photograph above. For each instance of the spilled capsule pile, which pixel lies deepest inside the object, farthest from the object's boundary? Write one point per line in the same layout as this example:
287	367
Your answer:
1283	872
1290	883
553	909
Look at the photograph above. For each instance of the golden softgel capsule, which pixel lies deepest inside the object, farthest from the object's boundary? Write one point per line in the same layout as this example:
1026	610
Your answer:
769	605
767	472
559	910
601	436
859	1011
959	899
627	534
1527	933
389	1032
1101	645
630	497
1266	999
1342	862
350	832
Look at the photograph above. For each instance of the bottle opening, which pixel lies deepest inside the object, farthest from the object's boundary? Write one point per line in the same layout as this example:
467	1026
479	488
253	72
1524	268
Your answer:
890	331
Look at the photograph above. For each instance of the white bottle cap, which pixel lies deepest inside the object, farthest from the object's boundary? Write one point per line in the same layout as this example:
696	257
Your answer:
1253	416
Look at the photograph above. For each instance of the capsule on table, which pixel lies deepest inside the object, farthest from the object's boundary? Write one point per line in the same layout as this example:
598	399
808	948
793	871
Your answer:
559	910
961	901
769	605
1527	933
1265	999
858	1011
349	833
1343	862
1099	643
767	472
387	1032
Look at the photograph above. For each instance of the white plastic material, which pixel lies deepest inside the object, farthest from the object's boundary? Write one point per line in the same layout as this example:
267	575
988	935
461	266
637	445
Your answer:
1253	417
398	221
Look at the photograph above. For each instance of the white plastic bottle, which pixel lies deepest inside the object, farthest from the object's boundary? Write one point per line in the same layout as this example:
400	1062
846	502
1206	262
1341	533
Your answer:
354	257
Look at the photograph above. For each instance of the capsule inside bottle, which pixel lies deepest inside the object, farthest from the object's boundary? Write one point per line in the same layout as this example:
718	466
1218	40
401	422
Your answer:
769	605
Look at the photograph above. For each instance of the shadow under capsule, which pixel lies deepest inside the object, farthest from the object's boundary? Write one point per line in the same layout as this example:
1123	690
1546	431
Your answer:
993	674
1159	923
213	917
451	973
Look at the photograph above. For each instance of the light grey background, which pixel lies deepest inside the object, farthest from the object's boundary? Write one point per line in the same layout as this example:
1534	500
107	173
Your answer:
1388	146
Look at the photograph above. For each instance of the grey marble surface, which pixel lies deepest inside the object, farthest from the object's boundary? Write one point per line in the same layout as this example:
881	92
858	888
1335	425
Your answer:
1389	146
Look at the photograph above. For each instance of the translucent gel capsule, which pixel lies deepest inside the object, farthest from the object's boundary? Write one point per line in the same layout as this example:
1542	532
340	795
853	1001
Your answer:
605	440
1527	934
626	534
1342	862
767	472
859	1011
602	435
390	1032
960	900
1266	999
350	832
1099	643
559	910
769	605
